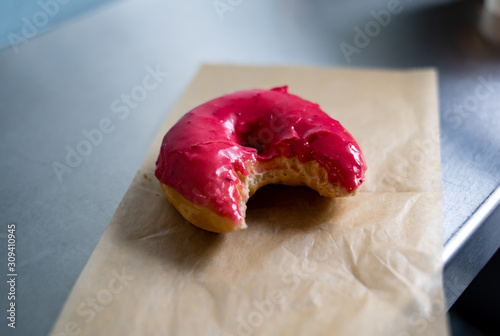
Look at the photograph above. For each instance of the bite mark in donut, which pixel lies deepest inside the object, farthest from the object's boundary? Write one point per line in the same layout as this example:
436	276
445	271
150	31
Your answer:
218	154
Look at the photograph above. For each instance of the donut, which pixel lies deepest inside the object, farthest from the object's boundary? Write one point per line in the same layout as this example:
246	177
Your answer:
218	154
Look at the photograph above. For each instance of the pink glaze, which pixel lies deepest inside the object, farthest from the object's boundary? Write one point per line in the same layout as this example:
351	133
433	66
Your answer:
202	153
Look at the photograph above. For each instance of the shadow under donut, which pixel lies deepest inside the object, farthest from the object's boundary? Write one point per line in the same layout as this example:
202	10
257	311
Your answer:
160	232
163	234
282	208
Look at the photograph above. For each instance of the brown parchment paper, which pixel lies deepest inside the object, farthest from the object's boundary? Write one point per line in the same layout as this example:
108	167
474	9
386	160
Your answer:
306	265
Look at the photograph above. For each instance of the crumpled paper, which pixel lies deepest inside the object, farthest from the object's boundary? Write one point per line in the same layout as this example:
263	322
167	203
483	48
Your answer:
306	265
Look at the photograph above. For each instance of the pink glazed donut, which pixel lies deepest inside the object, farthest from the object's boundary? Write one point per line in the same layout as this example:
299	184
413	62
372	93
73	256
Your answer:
218	154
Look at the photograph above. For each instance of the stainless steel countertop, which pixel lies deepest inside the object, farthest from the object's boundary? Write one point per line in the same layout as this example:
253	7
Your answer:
63	83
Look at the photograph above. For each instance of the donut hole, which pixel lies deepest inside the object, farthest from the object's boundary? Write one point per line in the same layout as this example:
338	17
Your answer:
251	141
258	135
